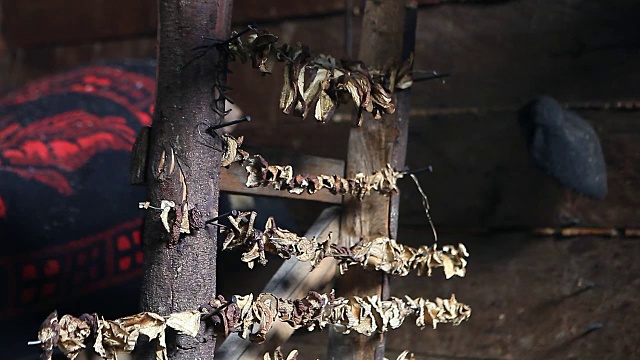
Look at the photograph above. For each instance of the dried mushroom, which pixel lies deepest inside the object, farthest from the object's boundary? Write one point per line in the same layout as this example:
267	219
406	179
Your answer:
261	173
364	315
277	355
251	318
405	355
381	253
110	337
322	82
73	332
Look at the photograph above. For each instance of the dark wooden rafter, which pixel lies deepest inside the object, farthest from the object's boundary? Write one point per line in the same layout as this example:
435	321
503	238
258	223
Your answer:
94	20
371	147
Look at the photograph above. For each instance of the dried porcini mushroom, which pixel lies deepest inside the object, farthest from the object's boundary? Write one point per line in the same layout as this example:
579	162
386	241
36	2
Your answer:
277	355
111	337
186	322
405	355
49	335
121	335
165	208
73	332
364	315
251	318
383	254
232	152
261	173
321	82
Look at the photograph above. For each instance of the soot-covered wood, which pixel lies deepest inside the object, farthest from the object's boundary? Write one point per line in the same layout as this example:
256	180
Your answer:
183	276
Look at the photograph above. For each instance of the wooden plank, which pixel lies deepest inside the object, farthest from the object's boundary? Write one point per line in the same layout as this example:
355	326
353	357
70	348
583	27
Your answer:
576	50
292	280
483	177
74	21
39	22
234	178
371	147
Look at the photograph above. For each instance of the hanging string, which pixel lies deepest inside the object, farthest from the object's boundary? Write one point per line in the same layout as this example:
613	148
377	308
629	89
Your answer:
425	205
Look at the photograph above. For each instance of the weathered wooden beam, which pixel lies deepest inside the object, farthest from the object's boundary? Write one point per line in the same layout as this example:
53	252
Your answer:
371	147
292	280
74	21
41	22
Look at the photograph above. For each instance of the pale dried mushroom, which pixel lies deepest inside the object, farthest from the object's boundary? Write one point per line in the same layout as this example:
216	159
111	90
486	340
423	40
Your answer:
73	333
110	337
322	82
277	355
250	317
405	355
261	173
364	315
382	254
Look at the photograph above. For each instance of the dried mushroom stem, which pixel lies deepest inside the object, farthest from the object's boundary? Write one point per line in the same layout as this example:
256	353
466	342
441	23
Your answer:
321	83
381	253
260	173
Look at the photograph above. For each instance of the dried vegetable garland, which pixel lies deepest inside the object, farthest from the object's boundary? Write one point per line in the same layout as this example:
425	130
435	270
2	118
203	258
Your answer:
381	253
293	355
248	316
260	173
110	337
322	81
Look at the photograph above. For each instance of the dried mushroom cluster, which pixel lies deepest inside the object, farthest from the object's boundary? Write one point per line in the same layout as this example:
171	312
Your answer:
110	337
382	254
277	355
322	81
293	355
248	316
252	317
260	173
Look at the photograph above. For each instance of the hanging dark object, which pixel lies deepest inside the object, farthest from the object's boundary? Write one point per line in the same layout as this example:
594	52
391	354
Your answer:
564	146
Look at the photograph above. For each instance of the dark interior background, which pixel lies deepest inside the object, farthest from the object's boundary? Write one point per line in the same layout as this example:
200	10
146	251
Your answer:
527	291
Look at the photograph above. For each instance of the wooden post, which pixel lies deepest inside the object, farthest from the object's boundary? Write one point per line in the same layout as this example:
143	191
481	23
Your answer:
371	147
181	169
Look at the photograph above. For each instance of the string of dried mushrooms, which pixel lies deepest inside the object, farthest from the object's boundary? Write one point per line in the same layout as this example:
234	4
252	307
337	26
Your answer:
293	355
248	316
381	253
321	81
260	173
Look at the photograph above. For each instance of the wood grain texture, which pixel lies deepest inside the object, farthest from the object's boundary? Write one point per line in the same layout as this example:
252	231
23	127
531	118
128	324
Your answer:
371	147
483	176
181	275
76	21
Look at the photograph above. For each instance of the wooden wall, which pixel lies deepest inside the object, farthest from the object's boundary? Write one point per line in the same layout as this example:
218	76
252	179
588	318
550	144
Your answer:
533	297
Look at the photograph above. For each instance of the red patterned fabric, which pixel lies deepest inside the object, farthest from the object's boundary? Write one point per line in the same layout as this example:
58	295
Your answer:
69	223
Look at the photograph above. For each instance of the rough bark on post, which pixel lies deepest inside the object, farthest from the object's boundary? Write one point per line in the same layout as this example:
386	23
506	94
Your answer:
183	170
371	147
